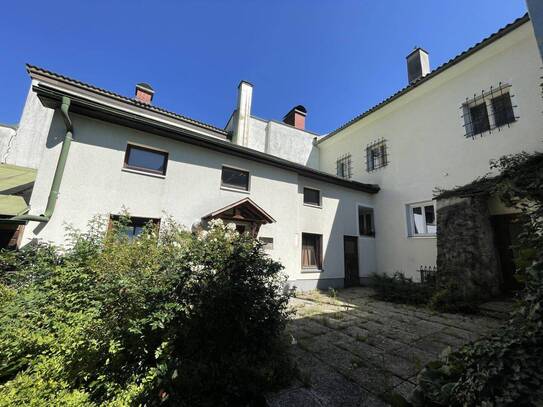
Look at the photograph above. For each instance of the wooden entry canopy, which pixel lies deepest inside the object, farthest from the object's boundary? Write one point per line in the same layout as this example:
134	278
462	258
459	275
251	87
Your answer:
247	216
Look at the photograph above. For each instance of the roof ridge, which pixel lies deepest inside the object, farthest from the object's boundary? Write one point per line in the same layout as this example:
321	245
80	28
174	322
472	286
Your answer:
464	54
33	68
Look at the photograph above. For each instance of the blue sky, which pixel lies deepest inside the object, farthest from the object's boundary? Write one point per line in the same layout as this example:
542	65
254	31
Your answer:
337	58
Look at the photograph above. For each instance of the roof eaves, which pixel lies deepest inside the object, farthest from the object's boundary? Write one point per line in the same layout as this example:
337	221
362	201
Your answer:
32	69
453	61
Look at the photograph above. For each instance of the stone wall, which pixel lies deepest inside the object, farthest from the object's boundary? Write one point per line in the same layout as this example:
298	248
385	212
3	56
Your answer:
466	254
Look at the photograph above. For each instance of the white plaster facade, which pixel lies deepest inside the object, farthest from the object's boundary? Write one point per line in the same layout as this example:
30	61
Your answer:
426	144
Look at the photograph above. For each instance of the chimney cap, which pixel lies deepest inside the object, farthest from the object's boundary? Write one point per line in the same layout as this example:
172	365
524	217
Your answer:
415	49
300	109
145	86
246	83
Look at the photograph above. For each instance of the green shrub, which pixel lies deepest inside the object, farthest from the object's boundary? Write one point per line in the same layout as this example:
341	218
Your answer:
176	318
399	288
450	299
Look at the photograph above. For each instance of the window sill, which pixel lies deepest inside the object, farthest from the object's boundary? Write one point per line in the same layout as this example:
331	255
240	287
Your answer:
313	206
243	191
310	270
367	236
150	174
422	237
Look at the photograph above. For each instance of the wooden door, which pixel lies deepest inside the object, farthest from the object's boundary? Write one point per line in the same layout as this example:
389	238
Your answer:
350	249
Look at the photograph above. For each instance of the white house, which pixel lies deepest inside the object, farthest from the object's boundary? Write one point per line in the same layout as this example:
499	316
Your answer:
332	209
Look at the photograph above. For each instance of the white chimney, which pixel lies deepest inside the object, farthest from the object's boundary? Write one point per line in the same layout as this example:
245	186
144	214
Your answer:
243	114
418	64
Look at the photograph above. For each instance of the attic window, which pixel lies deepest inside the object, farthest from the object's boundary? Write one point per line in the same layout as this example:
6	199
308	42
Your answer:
488	111
376	155
343	166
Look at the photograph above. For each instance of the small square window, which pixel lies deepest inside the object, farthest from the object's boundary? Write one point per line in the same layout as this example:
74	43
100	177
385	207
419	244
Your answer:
376	155
503	110
312	197
422	219
234	178
311	251
145	159
366	226
267	243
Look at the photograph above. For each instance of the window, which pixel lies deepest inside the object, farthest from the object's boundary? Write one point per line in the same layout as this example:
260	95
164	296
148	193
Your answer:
365	222
376	155
312	197
311	251
343	166
503	110
479	119
267	243
491	109
234	178
145	159
135	226
422	219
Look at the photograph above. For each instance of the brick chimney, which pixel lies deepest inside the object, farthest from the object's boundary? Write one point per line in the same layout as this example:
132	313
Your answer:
144	93
296	117
418	64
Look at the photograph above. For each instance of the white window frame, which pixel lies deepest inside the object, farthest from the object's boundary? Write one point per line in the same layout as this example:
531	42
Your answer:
411	219
310	204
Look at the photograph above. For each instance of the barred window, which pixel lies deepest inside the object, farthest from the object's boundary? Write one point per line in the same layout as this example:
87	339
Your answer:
376	155
490	110
343	166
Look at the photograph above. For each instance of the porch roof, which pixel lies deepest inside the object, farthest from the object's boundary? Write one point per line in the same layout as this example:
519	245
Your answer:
244	209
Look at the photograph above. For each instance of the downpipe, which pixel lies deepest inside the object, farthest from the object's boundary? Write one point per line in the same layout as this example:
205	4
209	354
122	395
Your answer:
59	171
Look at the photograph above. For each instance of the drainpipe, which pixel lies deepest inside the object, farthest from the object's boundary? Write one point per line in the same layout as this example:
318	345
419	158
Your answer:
57	178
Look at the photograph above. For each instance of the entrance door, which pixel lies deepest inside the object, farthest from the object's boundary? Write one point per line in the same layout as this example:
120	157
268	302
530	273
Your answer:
505	235
350	248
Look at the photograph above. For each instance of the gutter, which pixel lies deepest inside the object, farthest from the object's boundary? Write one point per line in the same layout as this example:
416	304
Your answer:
59	172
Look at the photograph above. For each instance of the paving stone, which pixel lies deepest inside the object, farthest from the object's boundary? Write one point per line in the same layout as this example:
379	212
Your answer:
293	397
353	349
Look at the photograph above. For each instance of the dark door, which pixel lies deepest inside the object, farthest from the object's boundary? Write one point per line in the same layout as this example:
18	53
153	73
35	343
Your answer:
506	231
350	248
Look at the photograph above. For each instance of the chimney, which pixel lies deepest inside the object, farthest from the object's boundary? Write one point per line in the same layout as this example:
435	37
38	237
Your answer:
296	117
418	64
144	93
243	113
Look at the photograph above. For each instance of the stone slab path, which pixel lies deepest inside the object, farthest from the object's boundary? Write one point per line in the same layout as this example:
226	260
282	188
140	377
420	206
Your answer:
352	350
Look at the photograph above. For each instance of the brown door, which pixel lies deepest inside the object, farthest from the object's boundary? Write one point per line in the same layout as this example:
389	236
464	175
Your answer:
350	248
506	232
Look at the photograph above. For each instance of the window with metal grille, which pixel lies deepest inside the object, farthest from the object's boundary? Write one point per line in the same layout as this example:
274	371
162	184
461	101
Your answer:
376	155
490	110
343	166
503	110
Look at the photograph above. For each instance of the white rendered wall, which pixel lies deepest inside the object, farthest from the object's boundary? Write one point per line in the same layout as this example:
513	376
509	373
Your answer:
426	143
27	146
95	183
283	141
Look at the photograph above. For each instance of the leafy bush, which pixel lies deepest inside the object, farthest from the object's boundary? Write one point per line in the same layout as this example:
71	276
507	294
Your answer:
450	299
399	288
175	318
506	368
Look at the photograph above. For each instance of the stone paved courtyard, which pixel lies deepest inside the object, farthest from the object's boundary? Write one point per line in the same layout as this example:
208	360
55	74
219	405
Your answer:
352	349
